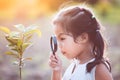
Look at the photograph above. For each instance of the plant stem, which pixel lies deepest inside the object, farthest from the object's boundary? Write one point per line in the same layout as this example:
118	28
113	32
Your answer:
20	74
20	69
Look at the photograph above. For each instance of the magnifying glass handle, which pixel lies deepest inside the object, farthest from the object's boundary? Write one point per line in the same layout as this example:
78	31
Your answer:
53	53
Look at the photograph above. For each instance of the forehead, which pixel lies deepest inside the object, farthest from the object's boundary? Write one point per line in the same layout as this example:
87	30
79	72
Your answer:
58	29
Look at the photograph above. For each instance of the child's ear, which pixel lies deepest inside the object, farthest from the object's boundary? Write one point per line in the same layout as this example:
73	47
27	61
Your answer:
83	38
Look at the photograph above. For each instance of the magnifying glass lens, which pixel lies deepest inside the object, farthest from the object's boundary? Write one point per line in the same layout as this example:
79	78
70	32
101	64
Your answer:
53	43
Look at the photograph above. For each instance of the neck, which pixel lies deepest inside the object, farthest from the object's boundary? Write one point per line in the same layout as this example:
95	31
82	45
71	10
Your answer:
85	56
85	59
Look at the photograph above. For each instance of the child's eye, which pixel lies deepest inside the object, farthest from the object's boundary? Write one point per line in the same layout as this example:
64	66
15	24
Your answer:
62	39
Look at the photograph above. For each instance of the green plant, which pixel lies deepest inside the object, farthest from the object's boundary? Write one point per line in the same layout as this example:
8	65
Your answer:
19	41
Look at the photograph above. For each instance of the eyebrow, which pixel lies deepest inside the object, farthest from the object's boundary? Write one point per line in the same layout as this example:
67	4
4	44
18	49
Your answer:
61	34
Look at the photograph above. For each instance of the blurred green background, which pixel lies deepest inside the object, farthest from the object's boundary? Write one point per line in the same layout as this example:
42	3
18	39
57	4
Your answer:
41	12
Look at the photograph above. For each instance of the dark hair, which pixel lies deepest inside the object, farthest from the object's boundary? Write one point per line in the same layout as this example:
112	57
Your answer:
78	20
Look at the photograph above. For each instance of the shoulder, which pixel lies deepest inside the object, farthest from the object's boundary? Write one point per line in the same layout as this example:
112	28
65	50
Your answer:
102	73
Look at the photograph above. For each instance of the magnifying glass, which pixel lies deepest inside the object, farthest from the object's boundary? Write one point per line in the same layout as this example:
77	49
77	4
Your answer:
53	43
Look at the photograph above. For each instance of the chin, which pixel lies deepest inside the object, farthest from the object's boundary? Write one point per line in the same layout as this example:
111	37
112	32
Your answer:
68	57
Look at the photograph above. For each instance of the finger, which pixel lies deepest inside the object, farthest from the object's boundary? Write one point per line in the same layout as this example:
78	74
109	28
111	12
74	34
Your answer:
54	60
52	57
52	64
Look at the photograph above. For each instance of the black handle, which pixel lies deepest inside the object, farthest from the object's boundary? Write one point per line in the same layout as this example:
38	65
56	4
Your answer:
53	43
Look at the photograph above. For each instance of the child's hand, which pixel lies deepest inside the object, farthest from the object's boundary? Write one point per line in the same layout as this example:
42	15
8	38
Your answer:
54	62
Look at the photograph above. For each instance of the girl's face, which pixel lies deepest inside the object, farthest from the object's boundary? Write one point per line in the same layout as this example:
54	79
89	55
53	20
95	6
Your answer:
68	47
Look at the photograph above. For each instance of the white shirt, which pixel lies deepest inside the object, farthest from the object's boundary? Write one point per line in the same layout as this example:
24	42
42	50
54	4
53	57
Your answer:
80	72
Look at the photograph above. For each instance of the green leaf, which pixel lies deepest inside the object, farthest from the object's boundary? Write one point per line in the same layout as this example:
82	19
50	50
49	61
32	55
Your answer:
32	32
38	32
19	44
24	59
9	53
12	41
28	58
15	49
32	27
4	29
14	35
11	45
12	54
20	27
25	45
16	63
27	38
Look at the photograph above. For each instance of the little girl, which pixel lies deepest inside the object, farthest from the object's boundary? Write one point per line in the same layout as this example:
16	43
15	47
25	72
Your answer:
79	39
